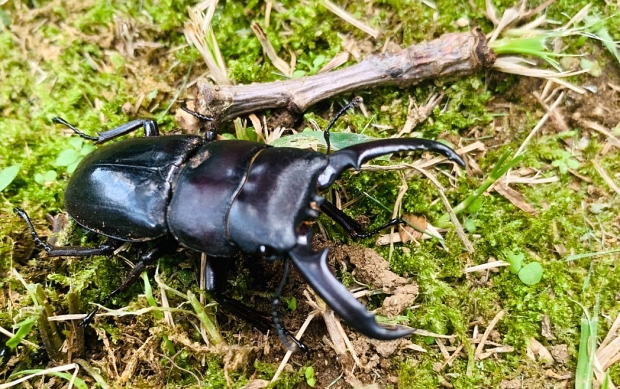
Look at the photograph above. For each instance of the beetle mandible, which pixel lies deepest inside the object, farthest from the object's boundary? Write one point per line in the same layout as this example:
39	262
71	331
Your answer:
222	198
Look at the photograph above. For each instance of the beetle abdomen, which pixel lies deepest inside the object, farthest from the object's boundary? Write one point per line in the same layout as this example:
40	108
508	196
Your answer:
275	199
204	193
122	190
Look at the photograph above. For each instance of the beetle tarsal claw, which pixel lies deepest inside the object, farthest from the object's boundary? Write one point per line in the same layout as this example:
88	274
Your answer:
314	268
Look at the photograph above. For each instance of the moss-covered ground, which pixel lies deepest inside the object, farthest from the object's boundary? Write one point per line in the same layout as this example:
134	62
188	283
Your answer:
100	63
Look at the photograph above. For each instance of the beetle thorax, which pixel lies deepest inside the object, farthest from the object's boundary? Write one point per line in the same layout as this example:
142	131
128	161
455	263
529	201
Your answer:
279	194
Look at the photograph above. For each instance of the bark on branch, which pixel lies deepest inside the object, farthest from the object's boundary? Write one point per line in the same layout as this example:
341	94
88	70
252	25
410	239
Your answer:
455	54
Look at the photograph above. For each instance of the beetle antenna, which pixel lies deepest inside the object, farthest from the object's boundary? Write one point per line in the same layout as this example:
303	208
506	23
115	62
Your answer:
210	135
194	113
284	335
351	104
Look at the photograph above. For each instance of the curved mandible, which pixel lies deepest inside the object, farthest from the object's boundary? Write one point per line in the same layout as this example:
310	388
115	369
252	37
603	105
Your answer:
354	156
313	267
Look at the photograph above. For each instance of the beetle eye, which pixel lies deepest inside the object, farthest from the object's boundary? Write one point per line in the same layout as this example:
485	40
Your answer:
266	251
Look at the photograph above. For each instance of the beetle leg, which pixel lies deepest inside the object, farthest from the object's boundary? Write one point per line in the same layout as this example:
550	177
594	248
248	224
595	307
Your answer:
106	248
314	268
353	228
215	275
165	246
150	129
354	156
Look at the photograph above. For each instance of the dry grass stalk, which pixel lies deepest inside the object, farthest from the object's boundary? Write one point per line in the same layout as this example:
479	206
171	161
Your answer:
288	354
457	225
402	190
198	32
513	65
108	349
340	340
486	266
611	138
57	369
556	117
515	198
417	115
454	355
492	351
606	177
270	51
479	350
347	17
340	59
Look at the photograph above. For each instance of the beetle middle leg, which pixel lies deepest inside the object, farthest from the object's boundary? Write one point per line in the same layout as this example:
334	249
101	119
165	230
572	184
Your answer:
216	275
163	247
149	125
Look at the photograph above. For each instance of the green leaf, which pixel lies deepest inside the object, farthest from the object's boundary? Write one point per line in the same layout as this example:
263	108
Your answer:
71	168
76	142
48	176
531	273
23	330
572	163
292	303
67	157
87	149
7	175
5	18
470	225
309	374
298	74
515	260
308	139
318	61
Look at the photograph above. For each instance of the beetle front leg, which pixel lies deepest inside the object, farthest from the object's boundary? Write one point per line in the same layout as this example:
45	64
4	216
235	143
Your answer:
216	274
353	228
149	125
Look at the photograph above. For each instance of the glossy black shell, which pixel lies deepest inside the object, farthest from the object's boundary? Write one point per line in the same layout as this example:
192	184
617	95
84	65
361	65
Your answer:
122	190
219	198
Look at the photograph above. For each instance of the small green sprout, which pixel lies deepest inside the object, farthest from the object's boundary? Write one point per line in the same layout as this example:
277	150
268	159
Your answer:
291	302
313	67
310	379
565	162
529	274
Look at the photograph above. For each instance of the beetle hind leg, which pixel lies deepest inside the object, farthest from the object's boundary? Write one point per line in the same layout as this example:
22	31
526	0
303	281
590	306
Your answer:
106	248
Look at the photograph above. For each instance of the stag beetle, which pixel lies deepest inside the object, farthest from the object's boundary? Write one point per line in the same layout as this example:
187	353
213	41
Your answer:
222	197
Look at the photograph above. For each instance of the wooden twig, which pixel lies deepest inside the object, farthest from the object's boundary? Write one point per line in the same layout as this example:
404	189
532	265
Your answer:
454	54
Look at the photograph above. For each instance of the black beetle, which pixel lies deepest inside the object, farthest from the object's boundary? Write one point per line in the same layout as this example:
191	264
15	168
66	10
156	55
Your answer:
222	197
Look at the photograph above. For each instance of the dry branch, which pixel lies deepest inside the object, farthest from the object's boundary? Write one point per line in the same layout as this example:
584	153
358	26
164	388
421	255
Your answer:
450	55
